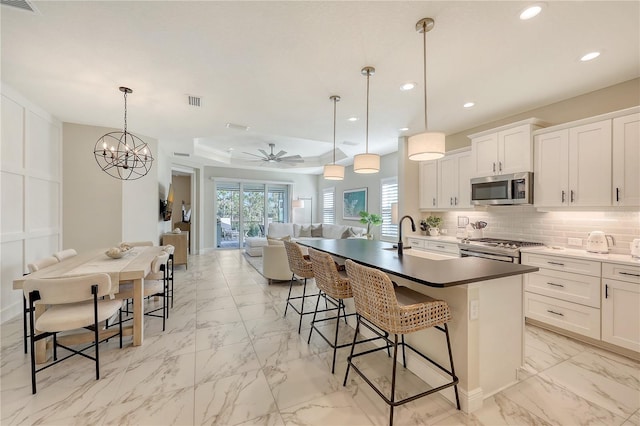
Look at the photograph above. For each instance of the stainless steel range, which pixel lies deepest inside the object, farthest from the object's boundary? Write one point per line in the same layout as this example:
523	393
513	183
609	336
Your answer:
494	248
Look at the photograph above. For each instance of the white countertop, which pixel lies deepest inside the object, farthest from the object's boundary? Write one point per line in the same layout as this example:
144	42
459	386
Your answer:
624	259
443	238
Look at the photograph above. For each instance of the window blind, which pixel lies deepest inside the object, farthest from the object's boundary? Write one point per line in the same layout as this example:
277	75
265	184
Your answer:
328	206
388	196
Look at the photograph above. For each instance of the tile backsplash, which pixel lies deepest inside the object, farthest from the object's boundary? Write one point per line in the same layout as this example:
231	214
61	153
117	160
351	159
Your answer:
551	228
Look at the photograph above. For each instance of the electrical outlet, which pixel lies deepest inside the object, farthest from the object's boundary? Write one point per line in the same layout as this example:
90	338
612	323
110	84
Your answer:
575	242
443	231
474	308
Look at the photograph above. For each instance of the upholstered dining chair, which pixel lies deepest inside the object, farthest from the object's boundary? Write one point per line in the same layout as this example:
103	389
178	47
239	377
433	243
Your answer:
71	303
397	310
33	267
155	284
169	273
65	254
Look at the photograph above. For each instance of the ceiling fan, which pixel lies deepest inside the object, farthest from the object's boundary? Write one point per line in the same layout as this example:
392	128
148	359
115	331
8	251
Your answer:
277	158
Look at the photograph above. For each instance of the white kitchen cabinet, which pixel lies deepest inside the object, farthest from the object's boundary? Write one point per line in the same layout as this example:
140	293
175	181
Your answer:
573	317
454	186
620	302
572	167
505	150
428	184
626	160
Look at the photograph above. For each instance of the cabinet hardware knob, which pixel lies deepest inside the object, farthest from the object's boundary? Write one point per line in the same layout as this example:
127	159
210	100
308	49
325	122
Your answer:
555	313
455	200
617	194
573	199
555	263
442	247
494	167
629	273
606	291
563	196
500	165
556	285
451	201
434	201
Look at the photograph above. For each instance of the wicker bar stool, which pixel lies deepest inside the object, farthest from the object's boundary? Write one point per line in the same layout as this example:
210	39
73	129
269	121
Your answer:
397	310
300	267
337	287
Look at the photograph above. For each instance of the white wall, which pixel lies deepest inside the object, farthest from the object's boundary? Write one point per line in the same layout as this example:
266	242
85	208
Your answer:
388	168
99	210
303	186
31	192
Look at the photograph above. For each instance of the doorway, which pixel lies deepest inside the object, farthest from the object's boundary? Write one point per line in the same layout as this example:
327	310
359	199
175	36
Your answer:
245	210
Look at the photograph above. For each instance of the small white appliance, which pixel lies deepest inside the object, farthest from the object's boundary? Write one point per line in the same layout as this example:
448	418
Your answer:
635	248
598	242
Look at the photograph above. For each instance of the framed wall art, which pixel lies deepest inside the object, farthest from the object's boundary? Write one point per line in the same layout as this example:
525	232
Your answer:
354	201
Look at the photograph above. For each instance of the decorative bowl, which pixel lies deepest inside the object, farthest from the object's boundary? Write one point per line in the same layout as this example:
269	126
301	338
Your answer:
115	252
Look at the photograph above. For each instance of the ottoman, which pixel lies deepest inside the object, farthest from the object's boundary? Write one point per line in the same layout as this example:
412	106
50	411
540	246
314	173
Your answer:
253	246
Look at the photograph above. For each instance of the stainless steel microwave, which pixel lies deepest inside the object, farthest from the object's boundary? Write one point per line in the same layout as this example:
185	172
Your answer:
516	188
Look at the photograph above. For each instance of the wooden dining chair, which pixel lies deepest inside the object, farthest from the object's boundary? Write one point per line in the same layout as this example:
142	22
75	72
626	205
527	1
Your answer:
33	267
65	254
71	303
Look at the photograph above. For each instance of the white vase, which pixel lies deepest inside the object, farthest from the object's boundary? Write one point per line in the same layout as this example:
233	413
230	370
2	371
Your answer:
434	232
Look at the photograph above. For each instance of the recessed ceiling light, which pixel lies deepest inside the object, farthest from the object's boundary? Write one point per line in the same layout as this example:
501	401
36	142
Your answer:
353	119
469	104
403	129
589	56
531	12
407	86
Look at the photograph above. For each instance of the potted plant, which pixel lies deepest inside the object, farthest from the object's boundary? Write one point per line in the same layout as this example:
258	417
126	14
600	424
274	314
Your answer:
370	219
432	225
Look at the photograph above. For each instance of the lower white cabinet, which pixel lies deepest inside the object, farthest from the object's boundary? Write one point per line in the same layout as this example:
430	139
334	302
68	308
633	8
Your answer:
438	246
621	306
574	317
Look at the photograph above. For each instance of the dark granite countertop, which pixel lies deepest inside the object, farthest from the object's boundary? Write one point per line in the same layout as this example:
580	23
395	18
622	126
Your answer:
434	273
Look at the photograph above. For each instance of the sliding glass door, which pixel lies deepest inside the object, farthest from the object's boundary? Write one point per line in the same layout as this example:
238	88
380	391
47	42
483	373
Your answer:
245	209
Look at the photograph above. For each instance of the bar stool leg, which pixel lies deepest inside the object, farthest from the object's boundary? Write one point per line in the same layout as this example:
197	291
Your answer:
314	317
335	340
289	295
304	292
24	322
453	371
393	377
404	355
353	345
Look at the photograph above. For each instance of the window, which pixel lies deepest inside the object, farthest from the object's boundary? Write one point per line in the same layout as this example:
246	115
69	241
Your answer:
388	196
328	205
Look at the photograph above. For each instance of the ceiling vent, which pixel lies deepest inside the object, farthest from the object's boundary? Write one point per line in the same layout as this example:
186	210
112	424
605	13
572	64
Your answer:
237	126
195	100
350	143
181	154
20	4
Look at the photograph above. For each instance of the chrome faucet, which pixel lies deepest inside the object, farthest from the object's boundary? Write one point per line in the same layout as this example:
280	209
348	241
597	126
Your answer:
413	228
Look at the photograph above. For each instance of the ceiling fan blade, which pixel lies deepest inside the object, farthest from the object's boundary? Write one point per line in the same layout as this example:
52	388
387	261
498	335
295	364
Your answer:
264	152
290	158
280	154
254	155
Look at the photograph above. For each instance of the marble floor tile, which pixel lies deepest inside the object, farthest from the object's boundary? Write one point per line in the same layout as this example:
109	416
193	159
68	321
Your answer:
633	420
256	298
598	380
215	364
165	345
259	311
206	319
557	405
220	335
234	399
281	348
154	408
204	305
300	380
336	408
267	327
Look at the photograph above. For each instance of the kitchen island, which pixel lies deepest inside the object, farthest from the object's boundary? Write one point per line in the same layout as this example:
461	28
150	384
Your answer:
485	298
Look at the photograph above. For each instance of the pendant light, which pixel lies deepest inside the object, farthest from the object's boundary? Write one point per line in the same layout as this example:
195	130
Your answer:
334	171
367	163
123	155
427	145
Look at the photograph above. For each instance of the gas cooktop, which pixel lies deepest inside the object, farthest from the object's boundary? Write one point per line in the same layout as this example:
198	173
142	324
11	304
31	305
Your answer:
497	242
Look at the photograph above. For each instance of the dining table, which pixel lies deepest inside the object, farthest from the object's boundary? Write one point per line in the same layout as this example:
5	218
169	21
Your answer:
134	266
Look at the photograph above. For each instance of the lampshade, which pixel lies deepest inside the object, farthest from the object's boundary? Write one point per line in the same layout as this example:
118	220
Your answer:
333	172
394	212
426	146
170	195
366	163
297	204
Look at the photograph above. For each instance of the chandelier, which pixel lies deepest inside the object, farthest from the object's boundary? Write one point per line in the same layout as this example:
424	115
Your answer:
123	155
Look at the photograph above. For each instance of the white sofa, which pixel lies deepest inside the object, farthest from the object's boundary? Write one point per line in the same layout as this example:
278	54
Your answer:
275	265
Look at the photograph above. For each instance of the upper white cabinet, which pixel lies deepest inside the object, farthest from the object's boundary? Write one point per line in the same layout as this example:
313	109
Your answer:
428	184
454	186
626	160
589	163
504	150
573	166
445	183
